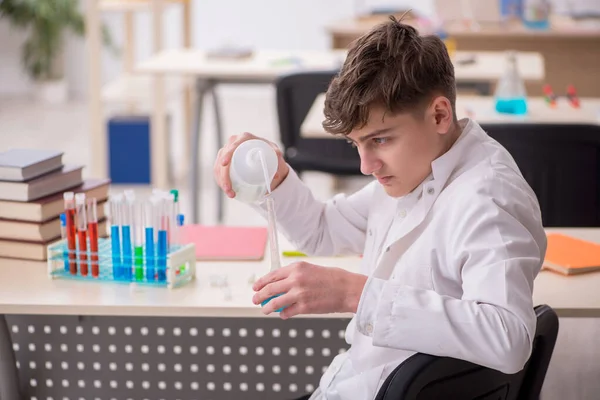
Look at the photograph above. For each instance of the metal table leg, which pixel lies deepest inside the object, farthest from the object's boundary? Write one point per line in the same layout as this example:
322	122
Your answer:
9	378
219	129
201	89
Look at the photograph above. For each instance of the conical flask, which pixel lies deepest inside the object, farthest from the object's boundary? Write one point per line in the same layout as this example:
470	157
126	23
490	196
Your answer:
510	95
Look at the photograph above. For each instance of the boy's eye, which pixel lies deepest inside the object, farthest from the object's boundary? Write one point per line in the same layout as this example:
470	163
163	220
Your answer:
380	140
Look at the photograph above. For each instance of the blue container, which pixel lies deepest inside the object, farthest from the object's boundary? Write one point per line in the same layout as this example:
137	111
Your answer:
129	149
515	106
511	8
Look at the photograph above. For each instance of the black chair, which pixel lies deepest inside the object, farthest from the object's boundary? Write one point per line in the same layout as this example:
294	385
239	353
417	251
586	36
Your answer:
296	93
426	377
562	165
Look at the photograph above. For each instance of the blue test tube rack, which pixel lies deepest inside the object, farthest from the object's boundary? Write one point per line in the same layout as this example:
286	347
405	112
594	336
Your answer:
180	265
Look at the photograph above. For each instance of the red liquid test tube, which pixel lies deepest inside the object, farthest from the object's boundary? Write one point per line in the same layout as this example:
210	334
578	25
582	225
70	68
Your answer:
82	232
92	212
69	199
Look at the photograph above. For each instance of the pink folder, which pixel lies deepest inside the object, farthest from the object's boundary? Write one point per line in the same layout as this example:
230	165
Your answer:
221	243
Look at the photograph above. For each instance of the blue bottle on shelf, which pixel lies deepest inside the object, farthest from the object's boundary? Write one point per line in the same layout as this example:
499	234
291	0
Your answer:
536	14
510	95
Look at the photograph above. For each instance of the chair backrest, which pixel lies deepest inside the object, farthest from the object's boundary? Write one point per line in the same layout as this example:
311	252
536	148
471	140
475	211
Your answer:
425	377
296	93
561	163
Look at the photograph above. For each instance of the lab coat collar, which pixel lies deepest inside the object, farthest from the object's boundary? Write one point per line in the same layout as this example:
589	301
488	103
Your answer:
442	170
443	166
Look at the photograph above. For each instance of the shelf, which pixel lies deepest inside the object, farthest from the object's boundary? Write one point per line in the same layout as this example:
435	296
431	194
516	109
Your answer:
132	5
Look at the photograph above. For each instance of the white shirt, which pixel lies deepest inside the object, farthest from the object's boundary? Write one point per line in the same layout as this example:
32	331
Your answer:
451	265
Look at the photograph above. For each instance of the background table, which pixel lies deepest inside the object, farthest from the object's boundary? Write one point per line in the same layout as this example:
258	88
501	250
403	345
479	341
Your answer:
481	108
264	67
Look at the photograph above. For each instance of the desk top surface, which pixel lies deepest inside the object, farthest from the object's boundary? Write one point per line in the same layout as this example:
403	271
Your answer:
268	65
481	109
26	288
264	65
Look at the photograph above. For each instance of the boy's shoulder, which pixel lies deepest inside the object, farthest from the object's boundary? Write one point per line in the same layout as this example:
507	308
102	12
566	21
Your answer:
495	189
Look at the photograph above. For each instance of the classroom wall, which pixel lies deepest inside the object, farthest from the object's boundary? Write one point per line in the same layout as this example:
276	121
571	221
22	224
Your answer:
13	80
262	23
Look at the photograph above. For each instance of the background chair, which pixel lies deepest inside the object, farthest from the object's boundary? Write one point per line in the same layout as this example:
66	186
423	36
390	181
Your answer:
295	95
562	165
426	377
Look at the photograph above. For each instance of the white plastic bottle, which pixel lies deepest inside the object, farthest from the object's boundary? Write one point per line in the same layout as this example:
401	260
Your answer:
247	172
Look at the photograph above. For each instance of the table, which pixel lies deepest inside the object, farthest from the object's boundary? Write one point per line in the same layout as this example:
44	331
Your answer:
569	47
117	329
65	297
25	289
481	108
265	67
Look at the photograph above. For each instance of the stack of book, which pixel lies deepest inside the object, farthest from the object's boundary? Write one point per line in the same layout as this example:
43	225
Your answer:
32	183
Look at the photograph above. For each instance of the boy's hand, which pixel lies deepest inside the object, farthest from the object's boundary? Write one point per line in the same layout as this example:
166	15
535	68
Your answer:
309	289
223	162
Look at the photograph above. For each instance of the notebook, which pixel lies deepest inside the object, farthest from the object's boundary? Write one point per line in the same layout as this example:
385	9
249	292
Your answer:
223	243
569	256
23	164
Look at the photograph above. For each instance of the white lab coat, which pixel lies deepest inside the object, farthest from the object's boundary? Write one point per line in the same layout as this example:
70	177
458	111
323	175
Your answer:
453	276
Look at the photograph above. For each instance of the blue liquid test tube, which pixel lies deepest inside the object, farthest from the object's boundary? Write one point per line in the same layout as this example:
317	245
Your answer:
126	224
152	209
115	235
63	236
166	223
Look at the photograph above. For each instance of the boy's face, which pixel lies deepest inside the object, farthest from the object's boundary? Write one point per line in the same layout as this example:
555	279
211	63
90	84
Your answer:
398	149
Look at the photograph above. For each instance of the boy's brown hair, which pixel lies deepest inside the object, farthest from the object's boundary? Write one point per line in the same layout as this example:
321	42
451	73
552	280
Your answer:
392	66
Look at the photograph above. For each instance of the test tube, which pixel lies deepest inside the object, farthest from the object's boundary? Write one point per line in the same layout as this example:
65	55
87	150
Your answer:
178	219
172	207
126	223
138	240
163	239
115	234
92	217
82	232
63	236
69	199
152	210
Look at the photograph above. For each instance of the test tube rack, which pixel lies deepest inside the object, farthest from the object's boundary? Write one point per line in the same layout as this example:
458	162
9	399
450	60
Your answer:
180	265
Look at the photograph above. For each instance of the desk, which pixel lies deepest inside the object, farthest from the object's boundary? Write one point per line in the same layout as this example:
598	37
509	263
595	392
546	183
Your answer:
570	49
56	304
265	67
482	110
199	299
187	339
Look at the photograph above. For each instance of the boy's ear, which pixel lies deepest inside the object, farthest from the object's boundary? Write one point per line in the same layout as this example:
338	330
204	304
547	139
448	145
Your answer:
441	113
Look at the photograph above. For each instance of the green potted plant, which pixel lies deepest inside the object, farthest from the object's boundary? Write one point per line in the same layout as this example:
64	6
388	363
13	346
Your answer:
45	22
